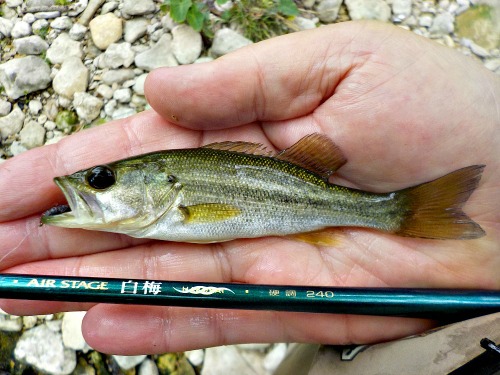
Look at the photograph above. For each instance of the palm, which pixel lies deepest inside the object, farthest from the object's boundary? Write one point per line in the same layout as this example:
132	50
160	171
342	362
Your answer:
399	123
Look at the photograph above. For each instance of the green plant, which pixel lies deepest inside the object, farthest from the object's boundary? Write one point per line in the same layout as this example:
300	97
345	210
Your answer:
42	32
62	2
194	13
259	19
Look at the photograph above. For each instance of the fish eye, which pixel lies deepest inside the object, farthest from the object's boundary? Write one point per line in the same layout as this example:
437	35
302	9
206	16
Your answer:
100	177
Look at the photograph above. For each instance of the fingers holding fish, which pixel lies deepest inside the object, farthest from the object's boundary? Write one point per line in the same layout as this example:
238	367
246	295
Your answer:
133	330
267	81
25	240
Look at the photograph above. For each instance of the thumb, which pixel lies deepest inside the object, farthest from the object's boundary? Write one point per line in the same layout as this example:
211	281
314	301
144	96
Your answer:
277	79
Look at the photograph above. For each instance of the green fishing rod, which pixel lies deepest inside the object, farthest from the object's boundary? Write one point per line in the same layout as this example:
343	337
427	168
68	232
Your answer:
418	303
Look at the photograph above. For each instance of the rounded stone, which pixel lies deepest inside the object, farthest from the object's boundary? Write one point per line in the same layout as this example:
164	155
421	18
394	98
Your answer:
105	30
72	77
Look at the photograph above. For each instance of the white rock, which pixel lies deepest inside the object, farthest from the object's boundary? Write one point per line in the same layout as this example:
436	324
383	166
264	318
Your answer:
5	107
47	15
328	10
64	101
138	7
492	64
425	20
87	106
32	135
12	123
127	362
10	324
275	357
157	56
123	112
478	50
122	95
17	148
139	101
401	7
29	17
24	75
253	346
148	367
135	29
443	23
13	3
89	11
42	119
186	44
167	22
56	138
62	23
62	48
39	25
72	331
49	125
109	6
117	76
29	321
105	91
195	357
72	77
227	40
35	106
31	45
139	84
77	31
105	30
6	26
78	7
110	107
305	23
43	349
20	30
225	360
116	55
368	10
204	59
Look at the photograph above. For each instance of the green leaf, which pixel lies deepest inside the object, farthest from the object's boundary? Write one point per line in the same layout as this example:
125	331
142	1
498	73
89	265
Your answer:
288	8
221	2
179	9
195	18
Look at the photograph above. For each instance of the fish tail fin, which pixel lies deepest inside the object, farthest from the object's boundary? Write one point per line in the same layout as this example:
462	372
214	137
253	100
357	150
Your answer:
434	209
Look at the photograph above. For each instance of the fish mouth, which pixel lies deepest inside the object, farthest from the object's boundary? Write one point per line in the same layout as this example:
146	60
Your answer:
75	214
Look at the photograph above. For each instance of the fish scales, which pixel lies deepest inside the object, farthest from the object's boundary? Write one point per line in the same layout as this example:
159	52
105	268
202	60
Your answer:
215	193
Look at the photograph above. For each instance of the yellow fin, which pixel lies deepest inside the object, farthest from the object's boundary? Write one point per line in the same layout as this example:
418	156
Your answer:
323	237
434	209
316	153
208	212
243	147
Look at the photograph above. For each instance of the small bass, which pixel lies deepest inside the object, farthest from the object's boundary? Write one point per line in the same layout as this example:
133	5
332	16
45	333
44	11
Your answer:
223	191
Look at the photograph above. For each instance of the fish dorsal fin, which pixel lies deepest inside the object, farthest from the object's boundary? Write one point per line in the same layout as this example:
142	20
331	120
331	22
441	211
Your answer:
315	152
243	147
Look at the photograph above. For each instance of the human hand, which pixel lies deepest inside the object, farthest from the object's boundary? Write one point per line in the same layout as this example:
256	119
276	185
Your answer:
403	109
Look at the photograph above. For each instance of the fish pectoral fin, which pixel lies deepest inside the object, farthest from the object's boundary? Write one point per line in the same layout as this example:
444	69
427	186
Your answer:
315	152
243	147
322	237
209	212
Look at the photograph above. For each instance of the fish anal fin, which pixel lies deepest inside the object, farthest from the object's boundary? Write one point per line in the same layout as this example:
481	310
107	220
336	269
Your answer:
316	153
242	147
434	209
209	212
323	237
